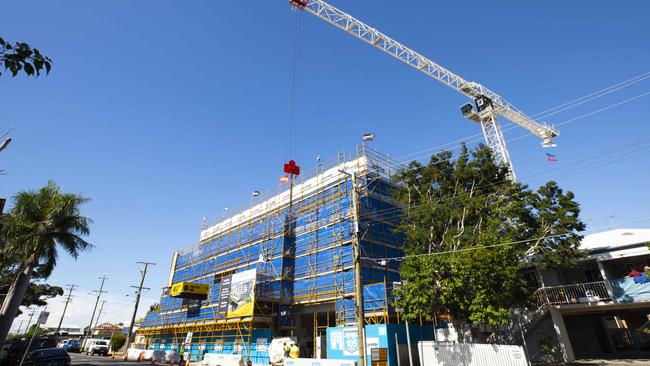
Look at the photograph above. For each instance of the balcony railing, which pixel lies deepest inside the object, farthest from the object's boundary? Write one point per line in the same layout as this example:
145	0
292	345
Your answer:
582	293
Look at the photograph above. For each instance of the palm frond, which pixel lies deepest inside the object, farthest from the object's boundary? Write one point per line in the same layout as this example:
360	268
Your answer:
44	220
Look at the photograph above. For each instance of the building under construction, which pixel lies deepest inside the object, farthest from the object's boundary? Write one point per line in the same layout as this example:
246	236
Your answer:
287	266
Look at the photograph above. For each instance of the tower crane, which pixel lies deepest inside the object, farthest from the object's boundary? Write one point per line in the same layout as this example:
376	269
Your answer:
487	104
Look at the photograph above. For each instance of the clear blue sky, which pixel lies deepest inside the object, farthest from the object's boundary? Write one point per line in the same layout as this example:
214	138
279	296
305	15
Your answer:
166	111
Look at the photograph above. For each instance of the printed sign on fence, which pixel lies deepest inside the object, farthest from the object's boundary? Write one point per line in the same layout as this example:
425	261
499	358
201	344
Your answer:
350	342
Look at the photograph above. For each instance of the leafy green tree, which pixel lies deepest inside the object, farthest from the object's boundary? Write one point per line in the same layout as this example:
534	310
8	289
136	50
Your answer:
470	233
38	225
37	294
21	57
33	328
117	341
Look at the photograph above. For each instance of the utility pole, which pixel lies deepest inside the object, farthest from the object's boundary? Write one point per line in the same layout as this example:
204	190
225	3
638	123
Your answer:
90	325
42	319
101	308
20	326
408	342
29	322
358	286
406	325
67	301
143	274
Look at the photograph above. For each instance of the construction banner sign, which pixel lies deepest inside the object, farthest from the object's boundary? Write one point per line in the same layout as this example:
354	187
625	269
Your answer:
242	294
188	290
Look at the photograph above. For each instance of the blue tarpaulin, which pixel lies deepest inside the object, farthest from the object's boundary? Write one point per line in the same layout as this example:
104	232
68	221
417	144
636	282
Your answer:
627	290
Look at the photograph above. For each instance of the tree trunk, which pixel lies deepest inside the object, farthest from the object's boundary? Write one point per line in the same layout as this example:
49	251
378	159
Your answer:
15	298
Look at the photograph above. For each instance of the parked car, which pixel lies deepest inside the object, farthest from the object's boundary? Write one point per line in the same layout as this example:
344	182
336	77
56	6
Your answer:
48	357
97	347
62	343
10	352
73	345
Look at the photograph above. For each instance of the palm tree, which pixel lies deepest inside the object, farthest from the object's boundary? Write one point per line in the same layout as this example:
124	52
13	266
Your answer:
39	225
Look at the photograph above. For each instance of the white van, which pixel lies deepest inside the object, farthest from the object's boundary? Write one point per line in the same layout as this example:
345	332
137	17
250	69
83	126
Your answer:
97	347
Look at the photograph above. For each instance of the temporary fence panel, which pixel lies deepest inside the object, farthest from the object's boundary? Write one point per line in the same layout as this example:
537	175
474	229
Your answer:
220	359
319	362
381	342
470	354
134	354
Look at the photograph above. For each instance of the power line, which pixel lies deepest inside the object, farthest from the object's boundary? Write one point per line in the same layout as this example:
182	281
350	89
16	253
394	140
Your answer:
576	102
99	313
399	259
571	120
404	164
397	212
603	109
545	113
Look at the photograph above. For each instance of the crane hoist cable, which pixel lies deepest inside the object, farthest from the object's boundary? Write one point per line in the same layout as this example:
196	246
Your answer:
295	79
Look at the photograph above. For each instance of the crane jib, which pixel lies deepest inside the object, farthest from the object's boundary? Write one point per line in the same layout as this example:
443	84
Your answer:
488	103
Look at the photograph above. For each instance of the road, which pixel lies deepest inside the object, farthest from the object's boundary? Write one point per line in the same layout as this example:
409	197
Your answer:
79	359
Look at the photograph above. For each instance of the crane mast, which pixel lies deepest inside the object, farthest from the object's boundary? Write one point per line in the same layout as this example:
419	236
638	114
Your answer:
487	104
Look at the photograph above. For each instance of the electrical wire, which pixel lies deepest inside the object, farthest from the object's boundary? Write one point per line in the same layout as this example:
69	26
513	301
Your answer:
603	109
576	102
396	212
571	120
546	113
402	258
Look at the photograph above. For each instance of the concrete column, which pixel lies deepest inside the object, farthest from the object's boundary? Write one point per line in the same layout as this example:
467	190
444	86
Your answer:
610	338
562	335
603	273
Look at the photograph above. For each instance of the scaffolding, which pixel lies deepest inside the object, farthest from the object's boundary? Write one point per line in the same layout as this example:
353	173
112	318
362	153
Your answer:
302	257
